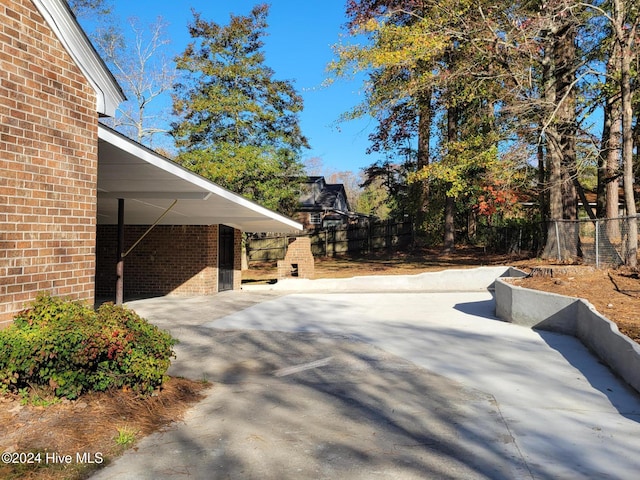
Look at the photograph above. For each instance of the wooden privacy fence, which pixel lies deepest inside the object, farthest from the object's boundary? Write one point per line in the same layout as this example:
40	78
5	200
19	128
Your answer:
353	240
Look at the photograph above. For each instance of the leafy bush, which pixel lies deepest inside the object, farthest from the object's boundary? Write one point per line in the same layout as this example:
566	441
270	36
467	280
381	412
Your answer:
72	348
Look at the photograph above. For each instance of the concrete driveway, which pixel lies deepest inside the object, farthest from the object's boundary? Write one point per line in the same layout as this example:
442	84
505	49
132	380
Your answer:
383	385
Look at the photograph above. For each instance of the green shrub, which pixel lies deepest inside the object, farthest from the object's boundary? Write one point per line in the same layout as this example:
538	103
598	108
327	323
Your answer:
72	348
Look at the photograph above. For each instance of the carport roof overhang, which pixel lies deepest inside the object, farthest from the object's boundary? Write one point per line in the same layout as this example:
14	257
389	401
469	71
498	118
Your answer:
150	183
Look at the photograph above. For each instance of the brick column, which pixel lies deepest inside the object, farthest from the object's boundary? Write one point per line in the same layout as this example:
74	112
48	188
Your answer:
298	261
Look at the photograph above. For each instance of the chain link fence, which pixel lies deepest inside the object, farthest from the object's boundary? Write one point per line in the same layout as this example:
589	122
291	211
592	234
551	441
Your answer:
601	242
517	238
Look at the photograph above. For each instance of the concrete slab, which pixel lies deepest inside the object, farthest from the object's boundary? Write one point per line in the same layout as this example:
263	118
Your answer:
308	406
572	316
450	280
400	385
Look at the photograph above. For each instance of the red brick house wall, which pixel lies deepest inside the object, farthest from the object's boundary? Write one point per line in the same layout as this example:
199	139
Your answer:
48	165
179	260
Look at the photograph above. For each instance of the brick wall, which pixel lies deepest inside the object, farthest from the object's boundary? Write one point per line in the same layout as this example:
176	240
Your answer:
179	260
48	165
298	261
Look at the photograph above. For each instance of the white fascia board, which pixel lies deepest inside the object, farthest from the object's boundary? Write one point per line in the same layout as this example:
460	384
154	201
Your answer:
157	160
63	23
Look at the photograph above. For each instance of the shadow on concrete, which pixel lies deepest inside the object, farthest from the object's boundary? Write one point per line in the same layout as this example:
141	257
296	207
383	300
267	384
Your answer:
624	398
129	298
364	413
484	308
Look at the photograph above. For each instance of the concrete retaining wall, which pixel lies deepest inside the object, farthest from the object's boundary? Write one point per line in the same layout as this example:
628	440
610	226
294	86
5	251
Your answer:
572	316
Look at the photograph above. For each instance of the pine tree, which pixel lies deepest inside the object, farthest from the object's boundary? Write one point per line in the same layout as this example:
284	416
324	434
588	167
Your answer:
238	125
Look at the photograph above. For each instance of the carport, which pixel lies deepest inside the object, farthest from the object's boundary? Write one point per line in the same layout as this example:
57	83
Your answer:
139	187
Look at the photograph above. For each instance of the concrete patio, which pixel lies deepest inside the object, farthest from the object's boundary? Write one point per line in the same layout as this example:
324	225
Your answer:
383	385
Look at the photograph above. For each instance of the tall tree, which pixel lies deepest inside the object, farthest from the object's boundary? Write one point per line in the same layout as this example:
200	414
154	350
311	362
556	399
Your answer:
238	125
625	20
428	71
620	44
519	74
537	50
144	73
609	160
90	8
559	67
400	57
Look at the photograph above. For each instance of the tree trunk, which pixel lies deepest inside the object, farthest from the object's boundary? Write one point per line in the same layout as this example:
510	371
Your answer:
450	202
625	35
609	158
565	61
449	224
608	174
543	197
421	193
561	140
612	172
631	259
553	157
603	156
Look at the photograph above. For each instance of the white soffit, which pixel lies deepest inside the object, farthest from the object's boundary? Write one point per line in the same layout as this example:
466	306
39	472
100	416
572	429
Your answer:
150	183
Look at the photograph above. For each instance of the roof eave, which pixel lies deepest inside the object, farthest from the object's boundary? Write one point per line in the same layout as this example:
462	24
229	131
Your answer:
268	220
63	23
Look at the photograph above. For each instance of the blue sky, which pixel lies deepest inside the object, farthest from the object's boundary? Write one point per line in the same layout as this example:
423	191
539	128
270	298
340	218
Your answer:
297	48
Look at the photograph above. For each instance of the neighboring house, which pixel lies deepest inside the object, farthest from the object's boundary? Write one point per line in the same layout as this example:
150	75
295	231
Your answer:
592	198
76	196
322	204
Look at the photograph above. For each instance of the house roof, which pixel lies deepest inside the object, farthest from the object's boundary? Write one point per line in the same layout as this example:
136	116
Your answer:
329	195
150	183
63	23
325	198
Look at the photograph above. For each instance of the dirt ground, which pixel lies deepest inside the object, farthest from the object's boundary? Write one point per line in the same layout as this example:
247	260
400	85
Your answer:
398	263
91	424
87	430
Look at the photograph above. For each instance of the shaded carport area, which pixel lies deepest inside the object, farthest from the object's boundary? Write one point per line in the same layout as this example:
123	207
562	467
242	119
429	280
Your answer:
142	191
400	385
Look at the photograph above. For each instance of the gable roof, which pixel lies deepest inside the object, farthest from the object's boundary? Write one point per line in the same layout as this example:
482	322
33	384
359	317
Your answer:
63	23
150	183
329	195
320	196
